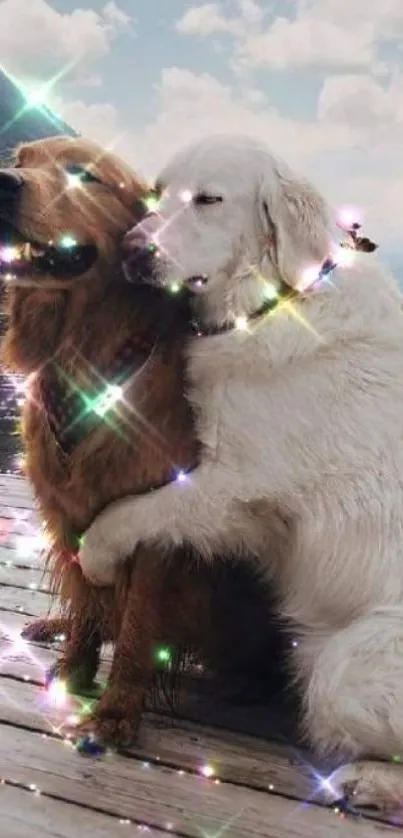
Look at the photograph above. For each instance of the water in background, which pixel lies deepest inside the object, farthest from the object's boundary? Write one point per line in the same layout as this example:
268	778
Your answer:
10	411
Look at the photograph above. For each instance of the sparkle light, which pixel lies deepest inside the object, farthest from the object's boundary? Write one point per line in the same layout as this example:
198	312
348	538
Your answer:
68	241
174	287
57	693
186	196
36	96
9	254
152	203
270	291
309	276
241	323
181	477
163	654
207	771
347	217
74	181
345	256
108	399
26	545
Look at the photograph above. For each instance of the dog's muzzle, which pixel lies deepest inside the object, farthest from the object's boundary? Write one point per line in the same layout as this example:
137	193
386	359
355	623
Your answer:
139	256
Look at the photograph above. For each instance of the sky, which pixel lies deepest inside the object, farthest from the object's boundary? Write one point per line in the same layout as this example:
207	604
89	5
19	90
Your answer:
320	81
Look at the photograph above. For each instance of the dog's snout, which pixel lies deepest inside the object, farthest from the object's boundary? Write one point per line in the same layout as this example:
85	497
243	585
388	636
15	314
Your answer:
139	252
10	183
137	239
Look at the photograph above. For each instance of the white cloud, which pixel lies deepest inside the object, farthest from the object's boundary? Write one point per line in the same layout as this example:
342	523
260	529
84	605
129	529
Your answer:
36	41
316	33
362	102
192	105
102	123
204	21
384	17
307	42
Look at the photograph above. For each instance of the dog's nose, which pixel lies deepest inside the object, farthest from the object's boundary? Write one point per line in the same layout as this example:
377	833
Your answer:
10	182
139	252
138	238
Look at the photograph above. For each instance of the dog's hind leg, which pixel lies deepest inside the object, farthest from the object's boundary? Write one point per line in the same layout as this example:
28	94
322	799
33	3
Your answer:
368	783
353	704
79	660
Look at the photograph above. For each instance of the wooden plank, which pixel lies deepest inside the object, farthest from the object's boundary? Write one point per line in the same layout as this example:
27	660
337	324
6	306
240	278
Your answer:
175	742
15	485
30	578
238	759
12	556
156	795
15	504
29	662
25	814
11	625
31	603
15	481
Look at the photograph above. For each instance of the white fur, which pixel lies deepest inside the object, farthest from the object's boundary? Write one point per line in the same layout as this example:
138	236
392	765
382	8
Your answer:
301	419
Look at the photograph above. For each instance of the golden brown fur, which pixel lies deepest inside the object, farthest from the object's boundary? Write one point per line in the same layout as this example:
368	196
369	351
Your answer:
79	325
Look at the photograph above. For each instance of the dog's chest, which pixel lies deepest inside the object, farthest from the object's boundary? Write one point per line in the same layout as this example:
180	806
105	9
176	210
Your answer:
74	407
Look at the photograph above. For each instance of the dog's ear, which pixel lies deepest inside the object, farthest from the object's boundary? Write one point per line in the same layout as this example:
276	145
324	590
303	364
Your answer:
296	222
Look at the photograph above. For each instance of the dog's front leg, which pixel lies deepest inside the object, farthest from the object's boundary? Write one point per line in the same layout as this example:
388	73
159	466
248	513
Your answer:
117	717
195	509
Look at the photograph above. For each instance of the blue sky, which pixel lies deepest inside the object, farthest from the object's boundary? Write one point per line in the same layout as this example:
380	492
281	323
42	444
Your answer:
319	80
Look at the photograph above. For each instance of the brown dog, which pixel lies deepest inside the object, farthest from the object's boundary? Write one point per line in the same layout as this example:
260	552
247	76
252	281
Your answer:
106	417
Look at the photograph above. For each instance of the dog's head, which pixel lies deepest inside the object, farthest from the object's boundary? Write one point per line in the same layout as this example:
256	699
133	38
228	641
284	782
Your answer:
231	217
64	206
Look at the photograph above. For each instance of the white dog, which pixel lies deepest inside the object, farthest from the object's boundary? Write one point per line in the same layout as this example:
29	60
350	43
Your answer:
300	413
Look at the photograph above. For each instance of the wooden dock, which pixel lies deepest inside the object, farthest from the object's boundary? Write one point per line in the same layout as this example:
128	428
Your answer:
184	778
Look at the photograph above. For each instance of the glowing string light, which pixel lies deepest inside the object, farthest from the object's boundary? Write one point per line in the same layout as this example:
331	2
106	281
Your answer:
186	196
9	254
104	402
241	324
74	181
57	693
152	203
68	241
164	655
174	287
207	771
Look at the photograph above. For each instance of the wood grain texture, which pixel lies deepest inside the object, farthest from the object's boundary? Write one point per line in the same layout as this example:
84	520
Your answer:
157	784
156	795
23	814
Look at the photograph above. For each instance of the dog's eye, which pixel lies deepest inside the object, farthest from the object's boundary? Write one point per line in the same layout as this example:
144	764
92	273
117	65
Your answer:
203	199
80	174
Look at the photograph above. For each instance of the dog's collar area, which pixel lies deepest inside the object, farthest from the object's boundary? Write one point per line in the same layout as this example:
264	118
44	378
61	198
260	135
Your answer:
72	413
280	292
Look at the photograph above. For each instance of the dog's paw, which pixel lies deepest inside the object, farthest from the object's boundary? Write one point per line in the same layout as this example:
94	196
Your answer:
107	727
96	559
46	630
368	784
